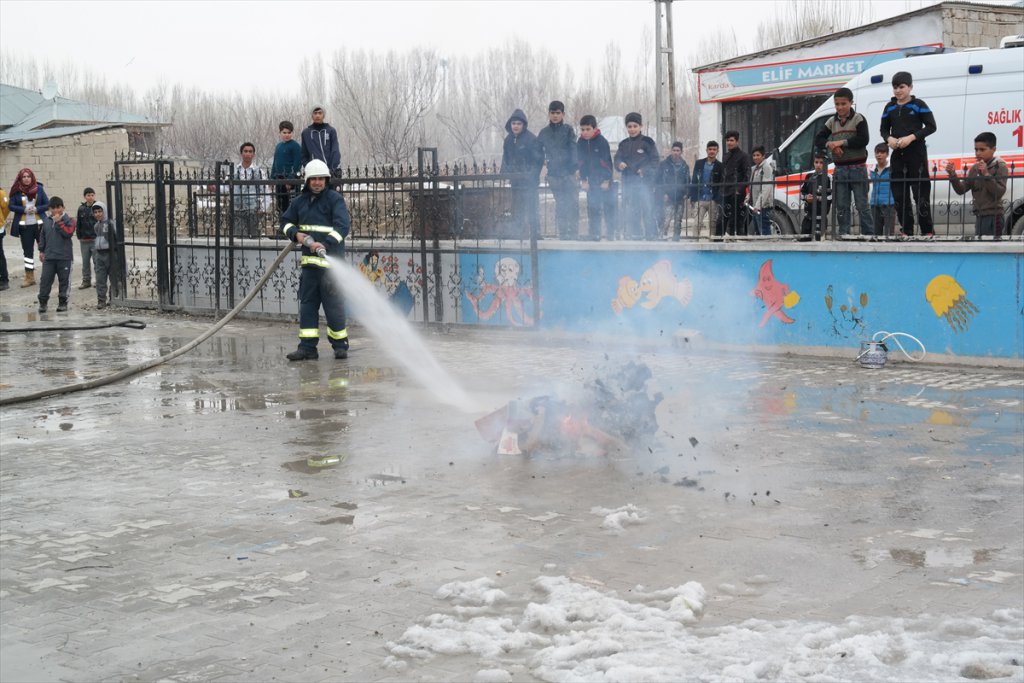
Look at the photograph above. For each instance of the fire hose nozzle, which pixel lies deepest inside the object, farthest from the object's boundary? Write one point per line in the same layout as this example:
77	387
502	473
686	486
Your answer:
321	252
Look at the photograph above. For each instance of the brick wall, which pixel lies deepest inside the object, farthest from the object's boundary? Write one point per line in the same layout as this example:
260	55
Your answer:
965	27
67	164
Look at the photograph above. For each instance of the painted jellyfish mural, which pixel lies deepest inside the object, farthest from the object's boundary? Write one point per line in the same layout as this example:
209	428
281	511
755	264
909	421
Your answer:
949	299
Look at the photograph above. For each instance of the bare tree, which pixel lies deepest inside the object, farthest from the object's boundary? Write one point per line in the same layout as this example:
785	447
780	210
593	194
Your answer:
385	98
461	111
804	20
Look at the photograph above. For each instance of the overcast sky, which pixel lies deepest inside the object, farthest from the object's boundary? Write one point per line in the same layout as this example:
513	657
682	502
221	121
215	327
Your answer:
225	45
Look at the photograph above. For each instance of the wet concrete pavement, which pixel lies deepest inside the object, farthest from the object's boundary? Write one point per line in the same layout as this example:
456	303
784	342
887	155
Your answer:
167	528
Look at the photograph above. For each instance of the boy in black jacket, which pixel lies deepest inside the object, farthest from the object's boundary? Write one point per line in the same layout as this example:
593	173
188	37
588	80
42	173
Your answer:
637	161
522	159
595	171
906	122
817	194
86	235
558	145
674	188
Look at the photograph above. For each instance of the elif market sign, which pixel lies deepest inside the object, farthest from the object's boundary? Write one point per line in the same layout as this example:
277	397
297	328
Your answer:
805	76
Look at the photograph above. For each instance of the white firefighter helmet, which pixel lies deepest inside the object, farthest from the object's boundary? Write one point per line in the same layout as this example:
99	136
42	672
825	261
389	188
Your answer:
316	169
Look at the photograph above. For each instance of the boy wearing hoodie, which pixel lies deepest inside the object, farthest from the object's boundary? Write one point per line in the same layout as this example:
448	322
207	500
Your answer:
106	236
57	253
319	140
762	191
521	160
637	161
595	171
846	137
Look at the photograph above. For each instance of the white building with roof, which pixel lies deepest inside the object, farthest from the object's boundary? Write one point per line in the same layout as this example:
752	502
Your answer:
766	96
69	144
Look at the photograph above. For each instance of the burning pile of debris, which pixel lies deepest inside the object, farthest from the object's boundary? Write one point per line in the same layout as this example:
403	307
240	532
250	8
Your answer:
613	412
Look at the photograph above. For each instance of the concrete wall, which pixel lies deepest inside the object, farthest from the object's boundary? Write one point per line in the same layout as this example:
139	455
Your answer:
964	27
963	301
960	301
67	164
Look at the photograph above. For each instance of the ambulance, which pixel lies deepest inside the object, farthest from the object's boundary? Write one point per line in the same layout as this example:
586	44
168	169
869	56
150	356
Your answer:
969	92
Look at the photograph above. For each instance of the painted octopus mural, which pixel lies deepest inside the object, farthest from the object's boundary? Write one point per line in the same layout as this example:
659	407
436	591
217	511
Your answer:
505	294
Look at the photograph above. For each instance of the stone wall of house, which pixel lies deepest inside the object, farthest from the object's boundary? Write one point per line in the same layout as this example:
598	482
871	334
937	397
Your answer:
964	27
68	164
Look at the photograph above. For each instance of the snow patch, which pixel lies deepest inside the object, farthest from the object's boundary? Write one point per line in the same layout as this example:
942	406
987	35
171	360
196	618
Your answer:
616	519
567	631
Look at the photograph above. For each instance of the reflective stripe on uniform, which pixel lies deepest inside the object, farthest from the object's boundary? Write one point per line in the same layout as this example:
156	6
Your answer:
30	263
322	229
309	333
313	261
286	226
337	335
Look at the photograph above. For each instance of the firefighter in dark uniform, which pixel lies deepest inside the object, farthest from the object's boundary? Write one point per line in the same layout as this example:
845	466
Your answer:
318	219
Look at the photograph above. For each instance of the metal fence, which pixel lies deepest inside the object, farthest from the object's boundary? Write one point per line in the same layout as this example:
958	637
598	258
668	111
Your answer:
197	238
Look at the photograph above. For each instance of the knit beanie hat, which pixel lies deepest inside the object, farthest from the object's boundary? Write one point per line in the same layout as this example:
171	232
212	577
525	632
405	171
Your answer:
634	117
902	78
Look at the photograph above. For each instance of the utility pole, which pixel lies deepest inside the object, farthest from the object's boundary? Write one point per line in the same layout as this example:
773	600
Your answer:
664	74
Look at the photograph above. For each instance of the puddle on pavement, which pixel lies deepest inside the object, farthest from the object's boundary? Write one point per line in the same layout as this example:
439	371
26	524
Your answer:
345	506
941	557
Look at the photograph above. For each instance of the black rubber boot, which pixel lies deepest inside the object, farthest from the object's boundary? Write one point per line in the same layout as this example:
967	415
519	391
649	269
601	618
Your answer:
42	304
340	354
303	353
62	305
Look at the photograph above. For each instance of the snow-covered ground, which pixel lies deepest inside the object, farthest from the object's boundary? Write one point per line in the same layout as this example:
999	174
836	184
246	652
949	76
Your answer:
568	631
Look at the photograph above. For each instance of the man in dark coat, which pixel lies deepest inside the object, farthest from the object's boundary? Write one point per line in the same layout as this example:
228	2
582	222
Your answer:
736	165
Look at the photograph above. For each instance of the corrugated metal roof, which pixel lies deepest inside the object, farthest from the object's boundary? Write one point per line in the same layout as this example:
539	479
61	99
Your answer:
9	137
27	110
16	104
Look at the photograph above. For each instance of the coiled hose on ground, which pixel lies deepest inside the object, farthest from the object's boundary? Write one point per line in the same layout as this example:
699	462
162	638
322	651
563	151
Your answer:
146	365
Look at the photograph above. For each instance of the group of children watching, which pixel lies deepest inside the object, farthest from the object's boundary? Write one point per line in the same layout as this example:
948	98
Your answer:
900	191
42	222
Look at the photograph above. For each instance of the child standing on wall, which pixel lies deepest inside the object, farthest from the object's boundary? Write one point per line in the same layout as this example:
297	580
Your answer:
846	137
816	193
986	180
594	160
906	122
106	236
57	253
883	215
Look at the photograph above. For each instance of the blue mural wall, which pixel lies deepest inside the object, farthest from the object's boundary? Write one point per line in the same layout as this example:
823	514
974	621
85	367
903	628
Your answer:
966	303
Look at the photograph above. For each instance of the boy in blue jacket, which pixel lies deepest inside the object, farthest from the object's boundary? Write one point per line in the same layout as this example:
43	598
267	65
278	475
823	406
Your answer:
287	164
595	171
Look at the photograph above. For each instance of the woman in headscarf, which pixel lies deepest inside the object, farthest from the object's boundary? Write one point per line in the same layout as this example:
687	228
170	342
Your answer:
28	202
